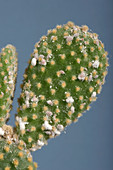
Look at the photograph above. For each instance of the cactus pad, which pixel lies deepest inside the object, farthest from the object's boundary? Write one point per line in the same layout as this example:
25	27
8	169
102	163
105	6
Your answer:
14	157
65	74
8	73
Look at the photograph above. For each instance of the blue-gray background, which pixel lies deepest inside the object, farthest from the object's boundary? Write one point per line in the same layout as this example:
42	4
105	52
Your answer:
87	145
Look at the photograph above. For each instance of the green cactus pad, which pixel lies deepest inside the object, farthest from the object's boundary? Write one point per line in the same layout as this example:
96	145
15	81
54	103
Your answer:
8	73
14	157
65	74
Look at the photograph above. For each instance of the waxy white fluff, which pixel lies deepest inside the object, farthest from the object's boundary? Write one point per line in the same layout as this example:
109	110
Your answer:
21	123
1	132
33	62
82	76
96	64
93	94
69	100
47	126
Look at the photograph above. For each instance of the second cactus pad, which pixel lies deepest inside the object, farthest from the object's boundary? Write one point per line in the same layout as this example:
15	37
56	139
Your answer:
14	157
65	74
8	73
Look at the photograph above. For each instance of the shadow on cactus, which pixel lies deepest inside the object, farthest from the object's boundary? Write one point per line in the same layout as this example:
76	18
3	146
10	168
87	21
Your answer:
65	74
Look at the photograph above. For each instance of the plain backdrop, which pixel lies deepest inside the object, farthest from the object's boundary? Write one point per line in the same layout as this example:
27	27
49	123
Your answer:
88	144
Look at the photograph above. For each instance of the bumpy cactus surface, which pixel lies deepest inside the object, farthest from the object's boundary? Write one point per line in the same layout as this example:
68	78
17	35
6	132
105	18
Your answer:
66	72
14	157
8	73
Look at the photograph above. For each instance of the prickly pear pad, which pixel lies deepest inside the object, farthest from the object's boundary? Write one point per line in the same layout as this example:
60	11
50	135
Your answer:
65	74
14	157
8	74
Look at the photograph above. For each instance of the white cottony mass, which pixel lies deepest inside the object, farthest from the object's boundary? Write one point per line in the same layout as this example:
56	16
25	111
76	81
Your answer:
21	123
1	132
96	64
69	100
33	62
47	126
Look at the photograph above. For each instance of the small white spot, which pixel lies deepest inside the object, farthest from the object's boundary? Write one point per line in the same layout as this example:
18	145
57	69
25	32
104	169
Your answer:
96	41
62	72
83	49
2	93
33	62
41	56
43	62
1	132
93	94
48	57
75	28
72	109
60	127
96	64
36	55
90	78
27	103
76	35
27	93
96	77
11	82
57	132
34	99
8	88
49	113
40	143
21	123
50	102
5	77
70	100
69	38
47	125
82	76
48	132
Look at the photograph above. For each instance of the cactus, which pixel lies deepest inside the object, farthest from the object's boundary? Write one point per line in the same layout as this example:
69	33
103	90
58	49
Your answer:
65	74
14	157
8	73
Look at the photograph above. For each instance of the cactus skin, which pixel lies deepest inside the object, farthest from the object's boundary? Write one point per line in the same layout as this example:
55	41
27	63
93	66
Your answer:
14	157
66	71
8	73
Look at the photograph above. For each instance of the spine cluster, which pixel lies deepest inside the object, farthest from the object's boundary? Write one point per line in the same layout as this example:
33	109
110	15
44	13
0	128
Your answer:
8	73
65	74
